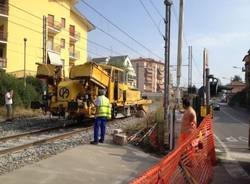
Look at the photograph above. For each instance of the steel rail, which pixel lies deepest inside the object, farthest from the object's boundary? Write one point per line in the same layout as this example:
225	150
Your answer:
42	141
2	139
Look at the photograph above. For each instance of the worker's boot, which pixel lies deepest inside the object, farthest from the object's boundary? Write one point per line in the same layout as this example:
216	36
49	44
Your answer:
94	142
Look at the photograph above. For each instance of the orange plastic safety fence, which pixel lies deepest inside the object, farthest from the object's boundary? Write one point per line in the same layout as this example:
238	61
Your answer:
191	162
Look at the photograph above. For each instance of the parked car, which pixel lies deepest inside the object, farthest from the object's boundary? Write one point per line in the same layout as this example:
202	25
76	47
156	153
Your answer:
216	106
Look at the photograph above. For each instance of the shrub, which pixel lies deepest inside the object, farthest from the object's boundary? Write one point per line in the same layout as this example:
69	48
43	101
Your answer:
22	96
239	99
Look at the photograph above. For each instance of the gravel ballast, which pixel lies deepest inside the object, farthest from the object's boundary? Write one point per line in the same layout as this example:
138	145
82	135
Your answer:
19	159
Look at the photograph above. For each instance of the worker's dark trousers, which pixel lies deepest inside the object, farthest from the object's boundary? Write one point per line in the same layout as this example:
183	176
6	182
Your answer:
100	122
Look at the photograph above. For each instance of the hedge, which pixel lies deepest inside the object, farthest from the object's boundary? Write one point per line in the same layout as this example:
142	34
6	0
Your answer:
22	96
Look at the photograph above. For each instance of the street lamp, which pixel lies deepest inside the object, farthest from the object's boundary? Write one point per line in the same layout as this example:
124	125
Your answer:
24	64
237	67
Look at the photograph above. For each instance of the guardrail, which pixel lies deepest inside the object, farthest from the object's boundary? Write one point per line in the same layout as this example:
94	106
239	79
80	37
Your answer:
191	162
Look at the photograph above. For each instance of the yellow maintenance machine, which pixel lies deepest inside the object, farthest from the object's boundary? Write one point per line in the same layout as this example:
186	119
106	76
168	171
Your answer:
75	96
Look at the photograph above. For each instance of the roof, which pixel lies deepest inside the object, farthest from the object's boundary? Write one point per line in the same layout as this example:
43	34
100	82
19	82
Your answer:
236	83
90	26
117	61
147	60
103	60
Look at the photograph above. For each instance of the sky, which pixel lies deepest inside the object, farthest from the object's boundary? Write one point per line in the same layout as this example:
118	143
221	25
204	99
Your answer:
223	27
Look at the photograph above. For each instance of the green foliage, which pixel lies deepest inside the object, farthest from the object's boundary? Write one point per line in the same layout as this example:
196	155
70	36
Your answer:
22	96
237	78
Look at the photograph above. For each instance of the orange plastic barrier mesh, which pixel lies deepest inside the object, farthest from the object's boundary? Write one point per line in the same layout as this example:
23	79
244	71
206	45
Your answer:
190	162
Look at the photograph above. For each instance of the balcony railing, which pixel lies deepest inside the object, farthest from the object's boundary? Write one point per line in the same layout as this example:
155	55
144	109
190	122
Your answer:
74	36
4	10
55	48
3	36
149	70
3	63
74	55
54	26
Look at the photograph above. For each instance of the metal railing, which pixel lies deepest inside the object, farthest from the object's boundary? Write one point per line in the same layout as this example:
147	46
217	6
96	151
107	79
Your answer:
74	54
3	36
4	9
54	25
74	35
55	48
3	62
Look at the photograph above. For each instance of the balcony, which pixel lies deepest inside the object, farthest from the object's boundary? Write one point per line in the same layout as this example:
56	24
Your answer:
3	63
149	71
74	55
74	36
56	48
4	10
160	77
54	27
3	37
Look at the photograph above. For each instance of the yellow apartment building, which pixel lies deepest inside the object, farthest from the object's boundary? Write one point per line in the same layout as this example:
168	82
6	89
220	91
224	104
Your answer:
55	32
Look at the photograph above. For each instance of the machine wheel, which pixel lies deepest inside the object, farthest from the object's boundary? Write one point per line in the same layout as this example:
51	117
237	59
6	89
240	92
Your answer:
140	114
114	111
127	111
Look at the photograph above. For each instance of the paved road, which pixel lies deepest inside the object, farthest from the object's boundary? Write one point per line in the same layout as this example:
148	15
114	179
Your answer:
231	133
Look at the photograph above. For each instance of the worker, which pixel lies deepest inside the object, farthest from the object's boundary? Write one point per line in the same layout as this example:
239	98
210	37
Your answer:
102	114
189	121
8	104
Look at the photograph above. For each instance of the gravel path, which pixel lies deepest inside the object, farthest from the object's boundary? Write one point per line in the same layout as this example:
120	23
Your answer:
19	159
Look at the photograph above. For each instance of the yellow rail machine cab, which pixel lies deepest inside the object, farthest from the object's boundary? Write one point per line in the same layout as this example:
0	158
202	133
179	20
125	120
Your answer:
51	76
88	77
124	98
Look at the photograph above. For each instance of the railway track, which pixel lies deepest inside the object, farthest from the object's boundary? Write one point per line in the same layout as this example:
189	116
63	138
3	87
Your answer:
38	141
17	151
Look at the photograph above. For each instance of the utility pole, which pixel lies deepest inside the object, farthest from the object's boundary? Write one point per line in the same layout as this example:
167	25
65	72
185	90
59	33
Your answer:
190	63
168	4
179	54
44	40
205	67
24	64
207	82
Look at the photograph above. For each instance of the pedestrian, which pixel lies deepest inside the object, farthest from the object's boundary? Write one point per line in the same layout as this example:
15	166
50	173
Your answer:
8	104
103	112
189	121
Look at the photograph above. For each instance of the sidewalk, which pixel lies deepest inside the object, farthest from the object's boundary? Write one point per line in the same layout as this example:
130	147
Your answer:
103	163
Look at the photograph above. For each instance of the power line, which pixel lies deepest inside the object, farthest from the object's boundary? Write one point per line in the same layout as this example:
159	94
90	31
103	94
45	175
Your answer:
119	28
151	18
54	39
156	9
93	42
118	40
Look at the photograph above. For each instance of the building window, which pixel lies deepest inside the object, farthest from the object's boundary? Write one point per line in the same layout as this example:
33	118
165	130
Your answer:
51	20
63	22
62	43
72	30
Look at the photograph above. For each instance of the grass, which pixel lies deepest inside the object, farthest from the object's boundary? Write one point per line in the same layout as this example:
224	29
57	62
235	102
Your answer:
20	112
146	123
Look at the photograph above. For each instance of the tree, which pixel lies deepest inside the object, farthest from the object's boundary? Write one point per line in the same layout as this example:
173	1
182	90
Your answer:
237	78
